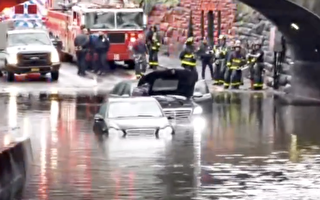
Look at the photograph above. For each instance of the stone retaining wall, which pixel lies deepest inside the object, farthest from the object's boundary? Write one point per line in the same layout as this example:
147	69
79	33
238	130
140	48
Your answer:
15	160
250	26
238	22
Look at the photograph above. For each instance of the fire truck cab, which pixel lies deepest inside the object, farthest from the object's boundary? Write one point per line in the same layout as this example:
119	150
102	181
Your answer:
123	23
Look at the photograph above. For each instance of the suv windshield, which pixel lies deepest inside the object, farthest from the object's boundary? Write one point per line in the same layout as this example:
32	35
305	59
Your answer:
18	39
134	109
129	20
103	20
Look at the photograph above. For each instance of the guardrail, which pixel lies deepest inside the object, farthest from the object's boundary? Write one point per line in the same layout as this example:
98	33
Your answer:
15	160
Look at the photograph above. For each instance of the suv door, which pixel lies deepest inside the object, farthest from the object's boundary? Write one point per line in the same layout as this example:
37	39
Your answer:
202	95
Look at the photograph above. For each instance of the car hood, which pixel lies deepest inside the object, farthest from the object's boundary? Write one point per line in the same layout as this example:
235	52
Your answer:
174	101
170	82
31	48
141	122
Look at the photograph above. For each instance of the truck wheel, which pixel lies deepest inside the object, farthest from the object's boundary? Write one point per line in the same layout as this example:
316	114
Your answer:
130	64
55	76
10	76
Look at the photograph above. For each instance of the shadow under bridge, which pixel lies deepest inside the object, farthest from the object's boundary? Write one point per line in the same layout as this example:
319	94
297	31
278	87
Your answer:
299	22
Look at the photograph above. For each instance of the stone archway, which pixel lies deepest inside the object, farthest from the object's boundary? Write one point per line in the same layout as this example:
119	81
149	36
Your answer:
297	20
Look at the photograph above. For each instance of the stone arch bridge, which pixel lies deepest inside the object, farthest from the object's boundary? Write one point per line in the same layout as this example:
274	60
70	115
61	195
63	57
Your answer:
297	20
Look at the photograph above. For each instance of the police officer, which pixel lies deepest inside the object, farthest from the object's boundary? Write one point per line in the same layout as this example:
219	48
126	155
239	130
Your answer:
188	57
92	52
102	47
81	43
206	56
255	61
140	50
220	52
153	53
235	62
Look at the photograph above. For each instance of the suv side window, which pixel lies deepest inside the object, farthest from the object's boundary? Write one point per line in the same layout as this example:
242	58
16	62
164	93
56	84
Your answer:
103	110
201	87
117	89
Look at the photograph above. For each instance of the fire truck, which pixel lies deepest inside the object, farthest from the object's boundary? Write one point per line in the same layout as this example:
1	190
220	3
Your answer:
122	21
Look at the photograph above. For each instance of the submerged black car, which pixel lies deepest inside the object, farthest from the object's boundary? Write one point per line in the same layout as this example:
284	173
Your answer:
125	117
180	95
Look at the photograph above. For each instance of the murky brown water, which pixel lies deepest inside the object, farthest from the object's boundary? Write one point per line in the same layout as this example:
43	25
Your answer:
249	149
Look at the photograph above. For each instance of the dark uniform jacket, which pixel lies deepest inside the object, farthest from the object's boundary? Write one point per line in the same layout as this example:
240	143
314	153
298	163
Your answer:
205	52
102	44
81	42
236	60
140	48
256	56
187	57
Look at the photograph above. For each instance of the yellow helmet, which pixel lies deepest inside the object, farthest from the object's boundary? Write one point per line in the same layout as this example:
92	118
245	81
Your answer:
237	43
190	39
222	37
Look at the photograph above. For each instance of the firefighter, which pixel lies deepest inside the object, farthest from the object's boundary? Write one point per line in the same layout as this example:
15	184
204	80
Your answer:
81	43
139	52
188	57
206	55
152	32
255	61
153	53
102	47
235	62
220	52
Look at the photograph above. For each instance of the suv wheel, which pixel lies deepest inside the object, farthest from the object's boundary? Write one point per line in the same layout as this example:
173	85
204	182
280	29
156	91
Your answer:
55	75
10	76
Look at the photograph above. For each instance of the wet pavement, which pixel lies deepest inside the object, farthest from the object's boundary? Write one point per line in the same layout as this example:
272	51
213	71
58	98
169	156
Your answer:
250	147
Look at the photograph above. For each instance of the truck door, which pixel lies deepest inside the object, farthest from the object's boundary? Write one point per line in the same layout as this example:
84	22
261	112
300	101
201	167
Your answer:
74	28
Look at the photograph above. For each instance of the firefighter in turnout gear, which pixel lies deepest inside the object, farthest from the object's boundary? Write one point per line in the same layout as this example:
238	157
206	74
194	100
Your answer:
153	53
235	62
255	60
206	55
140	51
220	52
188	57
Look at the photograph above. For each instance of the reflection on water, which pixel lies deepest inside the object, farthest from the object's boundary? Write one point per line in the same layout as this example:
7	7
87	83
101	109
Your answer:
249	147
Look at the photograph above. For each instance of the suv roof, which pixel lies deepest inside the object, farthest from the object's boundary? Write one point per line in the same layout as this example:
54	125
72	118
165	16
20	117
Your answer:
132	99
27	31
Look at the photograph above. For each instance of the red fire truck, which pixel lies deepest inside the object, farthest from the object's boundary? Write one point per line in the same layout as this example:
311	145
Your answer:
122	21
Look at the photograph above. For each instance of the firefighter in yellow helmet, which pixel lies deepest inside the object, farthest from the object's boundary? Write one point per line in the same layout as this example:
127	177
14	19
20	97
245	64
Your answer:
235	62
188	57
153	54
255	60
220	52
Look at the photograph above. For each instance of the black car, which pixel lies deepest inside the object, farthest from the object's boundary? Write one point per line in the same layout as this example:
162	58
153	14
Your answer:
125	117
180	95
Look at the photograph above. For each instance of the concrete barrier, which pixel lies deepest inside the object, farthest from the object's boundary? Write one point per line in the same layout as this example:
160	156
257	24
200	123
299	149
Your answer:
15	160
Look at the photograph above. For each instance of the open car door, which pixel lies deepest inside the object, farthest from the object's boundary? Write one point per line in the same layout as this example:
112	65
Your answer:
201	94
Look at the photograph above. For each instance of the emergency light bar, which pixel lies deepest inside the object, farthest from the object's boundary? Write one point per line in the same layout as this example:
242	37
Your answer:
32	9
19	9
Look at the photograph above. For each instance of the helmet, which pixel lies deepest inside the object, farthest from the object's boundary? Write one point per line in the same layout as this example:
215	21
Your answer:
257	43
222	37
237	43
189	40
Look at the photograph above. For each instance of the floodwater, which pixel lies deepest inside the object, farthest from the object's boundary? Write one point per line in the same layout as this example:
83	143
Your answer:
250	147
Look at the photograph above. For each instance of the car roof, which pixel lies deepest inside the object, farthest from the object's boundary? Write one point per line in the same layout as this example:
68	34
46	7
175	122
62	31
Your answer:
132	99
27	31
